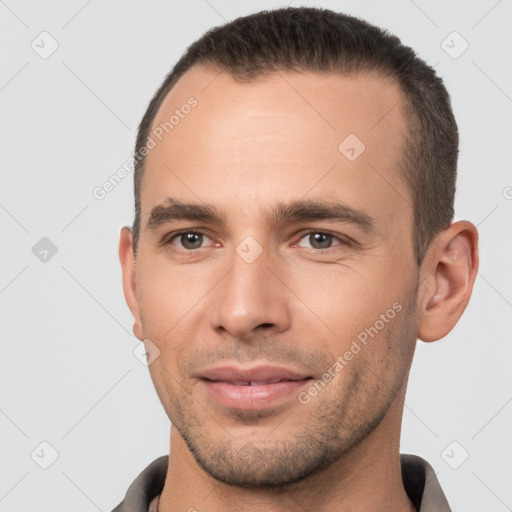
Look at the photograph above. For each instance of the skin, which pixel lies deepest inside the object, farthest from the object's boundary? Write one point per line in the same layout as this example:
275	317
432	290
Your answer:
300	303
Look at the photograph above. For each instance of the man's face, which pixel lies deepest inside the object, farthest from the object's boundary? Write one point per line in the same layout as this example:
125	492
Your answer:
260	287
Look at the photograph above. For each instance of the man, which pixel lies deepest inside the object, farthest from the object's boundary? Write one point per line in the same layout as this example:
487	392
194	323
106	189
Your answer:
293	238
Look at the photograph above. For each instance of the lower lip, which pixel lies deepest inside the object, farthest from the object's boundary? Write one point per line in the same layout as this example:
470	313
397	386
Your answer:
251	397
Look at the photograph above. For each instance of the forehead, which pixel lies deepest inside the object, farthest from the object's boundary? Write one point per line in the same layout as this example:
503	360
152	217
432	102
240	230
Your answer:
286	134
330	102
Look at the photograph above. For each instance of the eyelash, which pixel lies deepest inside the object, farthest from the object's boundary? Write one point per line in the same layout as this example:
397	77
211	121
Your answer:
167	240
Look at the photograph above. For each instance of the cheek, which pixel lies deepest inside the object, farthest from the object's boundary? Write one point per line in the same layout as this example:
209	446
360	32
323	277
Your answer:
346	299
167	293
381	352
363	322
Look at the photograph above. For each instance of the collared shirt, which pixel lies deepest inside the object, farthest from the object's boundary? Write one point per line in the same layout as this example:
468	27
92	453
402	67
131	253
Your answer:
420	483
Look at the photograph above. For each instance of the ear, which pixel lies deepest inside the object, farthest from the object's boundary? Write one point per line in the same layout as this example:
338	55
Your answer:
448	273
127	259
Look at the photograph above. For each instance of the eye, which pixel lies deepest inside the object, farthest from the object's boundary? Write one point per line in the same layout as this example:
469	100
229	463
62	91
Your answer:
320	240
189	240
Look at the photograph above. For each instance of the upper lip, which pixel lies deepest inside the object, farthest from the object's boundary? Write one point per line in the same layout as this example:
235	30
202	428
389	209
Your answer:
261	373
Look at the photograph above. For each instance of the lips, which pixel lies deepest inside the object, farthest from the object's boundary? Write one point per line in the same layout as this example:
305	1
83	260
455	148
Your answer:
258	382
255	376
259	387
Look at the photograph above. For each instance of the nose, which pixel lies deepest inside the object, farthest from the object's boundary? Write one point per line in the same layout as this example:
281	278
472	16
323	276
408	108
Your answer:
249	298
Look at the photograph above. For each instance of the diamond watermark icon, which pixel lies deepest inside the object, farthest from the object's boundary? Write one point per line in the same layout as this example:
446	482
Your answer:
454	45
44	455
44	250
249	249
351	147
454	455
146	352
44	45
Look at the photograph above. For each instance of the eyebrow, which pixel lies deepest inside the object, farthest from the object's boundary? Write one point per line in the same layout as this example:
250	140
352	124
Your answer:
300	210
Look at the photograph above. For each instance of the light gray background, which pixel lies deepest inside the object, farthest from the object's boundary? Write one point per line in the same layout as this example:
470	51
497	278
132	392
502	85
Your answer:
67	372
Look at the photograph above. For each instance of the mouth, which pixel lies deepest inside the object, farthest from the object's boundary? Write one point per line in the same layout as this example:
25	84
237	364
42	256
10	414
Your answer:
254	394
258	382
252	387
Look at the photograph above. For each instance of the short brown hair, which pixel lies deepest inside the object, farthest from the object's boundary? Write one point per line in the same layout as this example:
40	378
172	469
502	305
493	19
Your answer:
321	40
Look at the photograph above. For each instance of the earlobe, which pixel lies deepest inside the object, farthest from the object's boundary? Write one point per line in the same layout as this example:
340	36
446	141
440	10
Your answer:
127	260
448	274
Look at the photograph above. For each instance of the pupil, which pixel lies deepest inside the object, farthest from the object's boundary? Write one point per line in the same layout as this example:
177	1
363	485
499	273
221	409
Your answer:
191	240
321	239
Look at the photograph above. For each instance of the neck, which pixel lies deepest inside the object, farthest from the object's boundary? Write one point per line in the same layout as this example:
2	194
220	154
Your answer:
366	478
